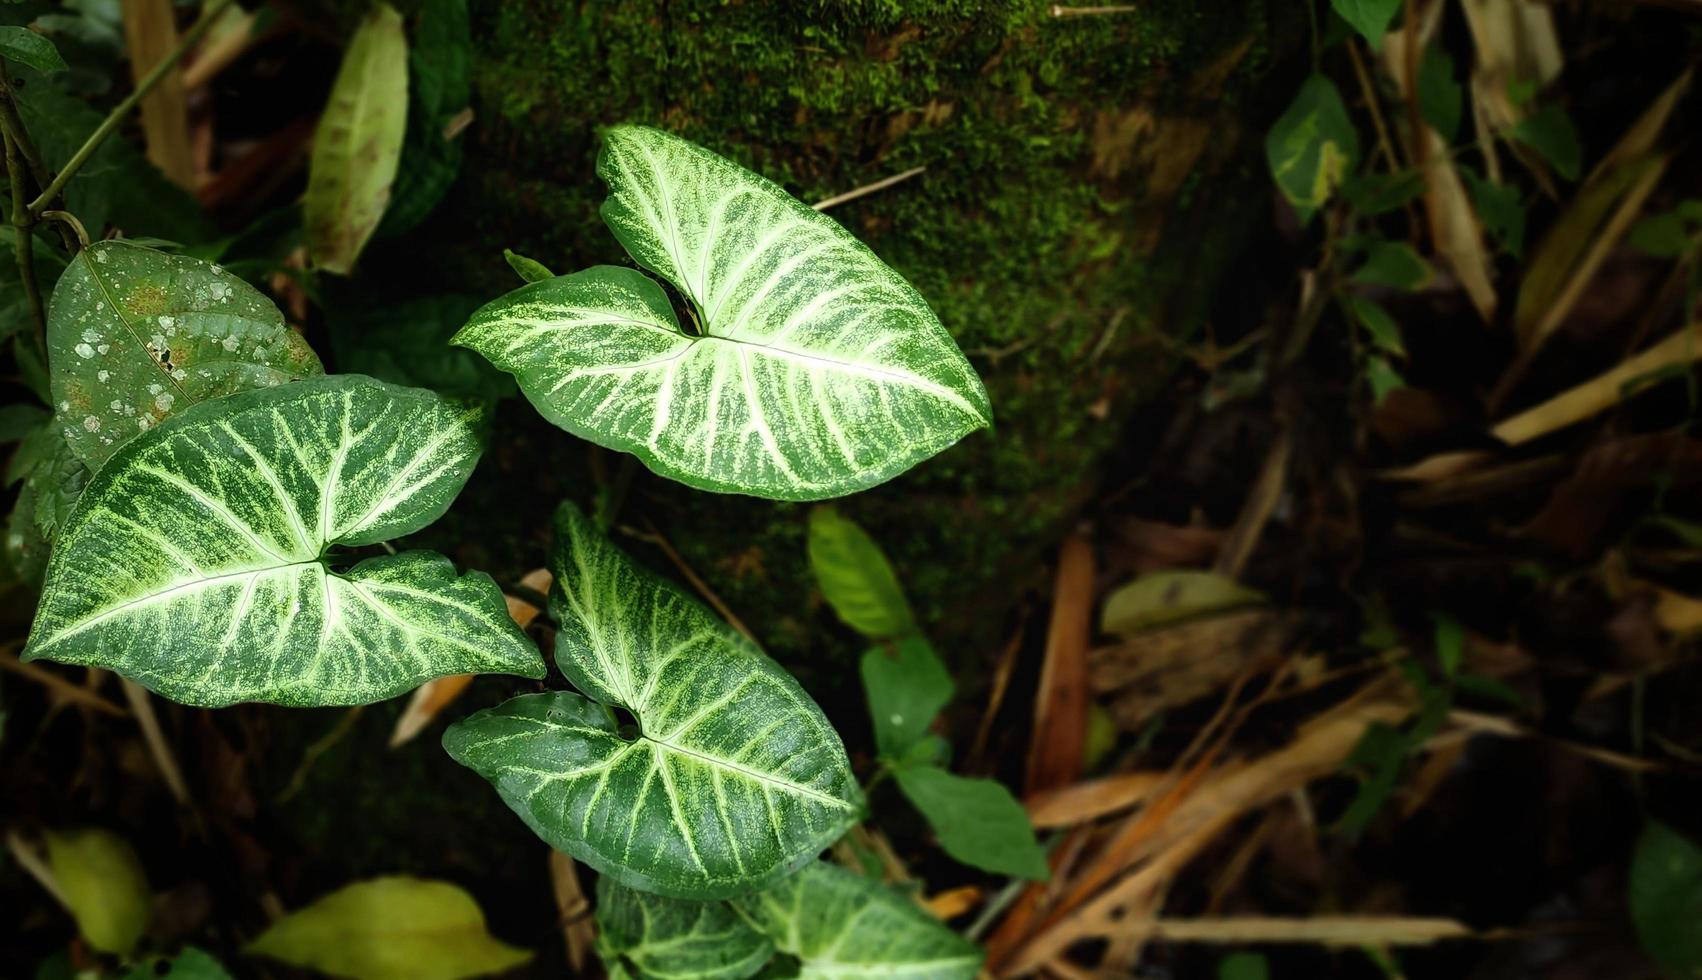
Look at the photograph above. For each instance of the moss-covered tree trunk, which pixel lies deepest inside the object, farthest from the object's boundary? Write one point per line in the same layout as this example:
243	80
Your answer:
1086	178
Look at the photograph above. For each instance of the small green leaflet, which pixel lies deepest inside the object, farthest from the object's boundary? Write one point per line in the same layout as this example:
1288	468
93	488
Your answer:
529	270
1439	93
1313	147
22	45
1385	334
907	686
664	938
358	143
808	370
1164	597
136	335
856	578
191	963
1371	18
1550	132
103	885
196	561
1393	264
1666	899
439	88
733	778
977	821
52	479
842	926
395	928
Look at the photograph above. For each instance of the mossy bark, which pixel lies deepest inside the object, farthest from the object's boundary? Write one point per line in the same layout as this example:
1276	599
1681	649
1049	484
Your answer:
1087	177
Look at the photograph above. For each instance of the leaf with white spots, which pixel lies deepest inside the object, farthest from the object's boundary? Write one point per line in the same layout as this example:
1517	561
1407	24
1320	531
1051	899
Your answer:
664	938
843	926
809	369
732	778
199	561
136	335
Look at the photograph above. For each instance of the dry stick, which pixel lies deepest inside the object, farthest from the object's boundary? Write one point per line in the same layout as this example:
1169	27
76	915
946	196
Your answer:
59	685
867	189
655	537
1250	525
31	861
1370	91
158	747
165	65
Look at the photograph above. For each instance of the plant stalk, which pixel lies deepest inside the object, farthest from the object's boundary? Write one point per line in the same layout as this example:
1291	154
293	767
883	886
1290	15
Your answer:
190	37
25	242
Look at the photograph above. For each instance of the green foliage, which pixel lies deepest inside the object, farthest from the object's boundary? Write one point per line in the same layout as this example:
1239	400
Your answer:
529	270
24	46
842	925
1501	210
1669	234
51	478
1440	95
1379	193
856	579
209	534
1243	966
353	932
977	821
136	336
907	687
358	144
1666	899
406	341
103	885
1313	147
190	963
1549	131
1379	326
808	368
439	88
1371	18
731	777
658	937
1393	264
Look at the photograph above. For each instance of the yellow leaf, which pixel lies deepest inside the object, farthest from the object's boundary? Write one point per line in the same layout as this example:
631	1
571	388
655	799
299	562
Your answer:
103	884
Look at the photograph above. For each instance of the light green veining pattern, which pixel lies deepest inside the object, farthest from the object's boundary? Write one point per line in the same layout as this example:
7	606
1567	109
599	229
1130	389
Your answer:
136	335
665	938
196	560
812	370
842	926
734	779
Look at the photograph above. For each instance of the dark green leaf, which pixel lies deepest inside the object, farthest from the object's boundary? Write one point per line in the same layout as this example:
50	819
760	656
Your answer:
1550	132
907	686
1243	966
666	938
1664	236
406	341
189	964
977	821
440	86
26	47
1439	93
1371	18
1500	209
1380	193
1666	899
1450	643
856	578
1385	334
1379	755
1393	264
17	421
529	270
1313	147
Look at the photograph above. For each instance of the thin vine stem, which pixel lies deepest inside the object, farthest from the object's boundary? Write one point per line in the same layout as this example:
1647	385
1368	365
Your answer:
123	108
25	243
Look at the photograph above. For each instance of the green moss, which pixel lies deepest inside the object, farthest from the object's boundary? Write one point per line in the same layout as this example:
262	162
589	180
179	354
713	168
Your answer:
1030	232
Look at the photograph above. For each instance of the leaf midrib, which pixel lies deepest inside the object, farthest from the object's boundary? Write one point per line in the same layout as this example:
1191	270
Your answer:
752	774
135	338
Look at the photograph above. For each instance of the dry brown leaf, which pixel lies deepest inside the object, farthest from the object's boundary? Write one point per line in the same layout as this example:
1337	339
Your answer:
579	930
1516	42
1158	669
951	904
1061	698
1339	930
1090	800
1602	392
150	34
429	699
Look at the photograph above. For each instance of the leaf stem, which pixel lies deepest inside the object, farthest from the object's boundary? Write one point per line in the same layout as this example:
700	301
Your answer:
209	14
70	221
25	242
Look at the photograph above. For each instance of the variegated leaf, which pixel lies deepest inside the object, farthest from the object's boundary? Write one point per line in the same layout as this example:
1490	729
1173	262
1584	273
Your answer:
843	926
136	335
198	560
809	369
732	777
661	938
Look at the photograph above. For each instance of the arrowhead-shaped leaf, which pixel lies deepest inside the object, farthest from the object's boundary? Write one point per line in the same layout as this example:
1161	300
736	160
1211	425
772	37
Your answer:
136	335
395	928
855	577
196	561
842	926
810	368
733	777
659	937
978	821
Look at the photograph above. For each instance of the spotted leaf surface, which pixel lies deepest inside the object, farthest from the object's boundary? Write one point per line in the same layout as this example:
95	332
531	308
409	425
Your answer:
196	561
661	938
733	777
810	369
843	926
136	335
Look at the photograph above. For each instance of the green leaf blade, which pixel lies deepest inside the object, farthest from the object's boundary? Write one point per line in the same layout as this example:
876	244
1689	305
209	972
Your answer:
25	46
978	821
855	577
670	937
814	370
104	886
1666	898
394	928
136	335
1313	147
907	686
194	561
735	777
842	926
358	143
